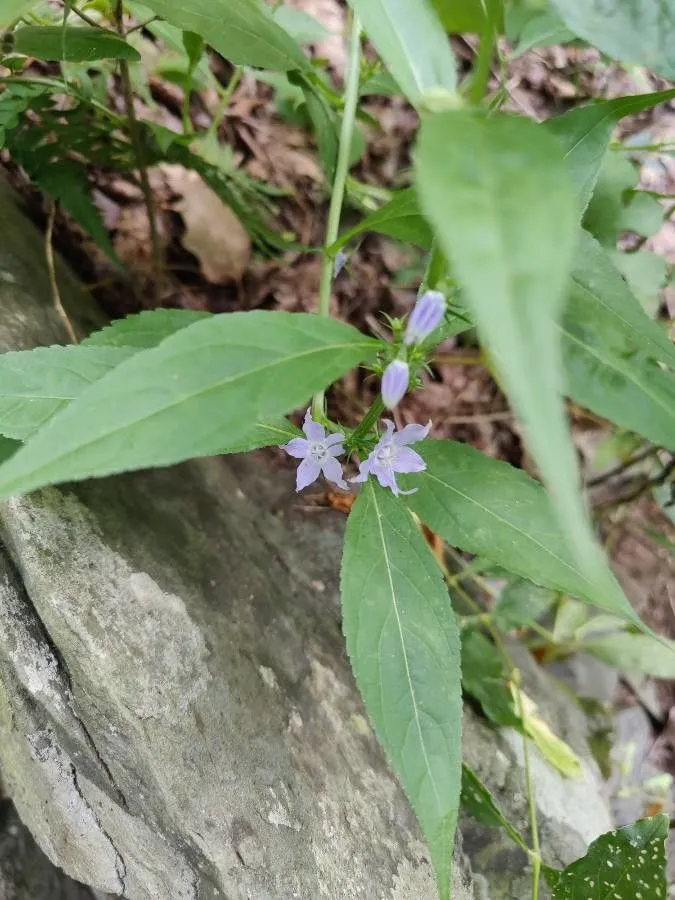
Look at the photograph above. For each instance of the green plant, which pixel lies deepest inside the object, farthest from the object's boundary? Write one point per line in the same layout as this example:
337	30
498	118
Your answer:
498	202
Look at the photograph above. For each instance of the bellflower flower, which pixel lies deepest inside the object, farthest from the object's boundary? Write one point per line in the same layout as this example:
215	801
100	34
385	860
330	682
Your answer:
392	454
318	453
395	383
426	316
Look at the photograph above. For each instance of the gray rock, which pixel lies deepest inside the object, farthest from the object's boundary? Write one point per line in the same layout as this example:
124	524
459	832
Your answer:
178	720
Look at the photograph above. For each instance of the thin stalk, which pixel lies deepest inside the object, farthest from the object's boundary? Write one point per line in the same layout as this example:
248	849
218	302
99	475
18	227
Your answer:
225	99
535	853
481	73
137	145
53	280
351	96
367	423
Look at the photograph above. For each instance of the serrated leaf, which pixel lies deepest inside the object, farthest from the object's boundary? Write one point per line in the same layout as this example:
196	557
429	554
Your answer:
242	30
521	603
144	329
201	389
500	197
585	133
489	508
625	864
403	645
478	802
469	15
484	679
400	218
409	37
36	384
72	44
631	652
632	31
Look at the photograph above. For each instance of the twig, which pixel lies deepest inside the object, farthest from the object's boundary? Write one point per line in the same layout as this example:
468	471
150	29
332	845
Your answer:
137	144
85	17
142	25
339	181
643	454
51	270
645	485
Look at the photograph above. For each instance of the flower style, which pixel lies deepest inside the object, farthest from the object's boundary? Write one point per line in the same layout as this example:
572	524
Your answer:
391	455
318	453
426	316
395	383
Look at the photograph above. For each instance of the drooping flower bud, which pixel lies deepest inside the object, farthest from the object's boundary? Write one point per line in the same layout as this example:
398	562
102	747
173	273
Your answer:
426	316
395	383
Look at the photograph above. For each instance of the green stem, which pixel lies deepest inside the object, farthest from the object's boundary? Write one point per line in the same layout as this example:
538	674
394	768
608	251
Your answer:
340	178
481	73
225	98
367	423
535	853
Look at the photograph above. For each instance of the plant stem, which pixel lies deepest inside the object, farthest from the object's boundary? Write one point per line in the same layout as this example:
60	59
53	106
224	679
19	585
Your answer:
351	96
137	145
535	854
481	74
53	281
225	99
367	422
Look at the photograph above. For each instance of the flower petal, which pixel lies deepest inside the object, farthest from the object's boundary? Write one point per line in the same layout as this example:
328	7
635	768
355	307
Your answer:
364	470
312	429
332	471
336	450
406	460
297	447
308	471
412	433
385	475
334	439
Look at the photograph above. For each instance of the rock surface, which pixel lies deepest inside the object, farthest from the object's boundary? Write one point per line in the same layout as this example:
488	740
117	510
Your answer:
178	720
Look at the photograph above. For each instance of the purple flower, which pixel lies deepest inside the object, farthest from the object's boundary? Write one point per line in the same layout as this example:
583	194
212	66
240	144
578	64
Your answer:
392	455
318	454
426	316
395	383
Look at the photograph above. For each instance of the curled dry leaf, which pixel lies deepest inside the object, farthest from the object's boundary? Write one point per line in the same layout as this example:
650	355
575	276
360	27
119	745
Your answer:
213	233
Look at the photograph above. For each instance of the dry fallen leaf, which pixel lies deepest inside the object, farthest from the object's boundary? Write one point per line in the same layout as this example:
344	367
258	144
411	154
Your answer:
213	233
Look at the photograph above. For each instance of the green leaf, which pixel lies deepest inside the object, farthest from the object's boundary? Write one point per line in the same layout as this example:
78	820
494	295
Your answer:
36	384
300	25
469	15
71	43
400	218
194	45
521	603
8	447
631	652
242	30
617	207
411	40
585	133
324	121
11	10
500	196
625	864
484	679
200	390
646	274
632	31
478	802
529	29
560	755
489	508
145	329
403	645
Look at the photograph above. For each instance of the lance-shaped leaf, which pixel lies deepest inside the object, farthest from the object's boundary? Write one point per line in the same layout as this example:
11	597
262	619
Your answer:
73	44
403	645
400	218
501	198
201	389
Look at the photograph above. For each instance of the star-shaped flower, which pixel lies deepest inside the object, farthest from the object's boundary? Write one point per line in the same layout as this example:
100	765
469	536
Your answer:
391	454
318	453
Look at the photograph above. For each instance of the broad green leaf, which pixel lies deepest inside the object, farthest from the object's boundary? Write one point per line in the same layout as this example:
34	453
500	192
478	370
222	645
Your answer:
528	29
521	603
73	44
11	10
403	645
631	652
616	206
602	287
242	30
500	197
627	864
145	329
400	218
585	133
36	384
478	802
489	508
646	274
300	25
632	31
412	42
200	390
469	15
484	679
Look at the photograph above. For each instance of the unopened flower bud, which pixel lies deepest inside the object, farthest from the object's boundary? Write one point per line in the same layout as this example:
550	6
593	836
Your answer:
395	383
426	316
